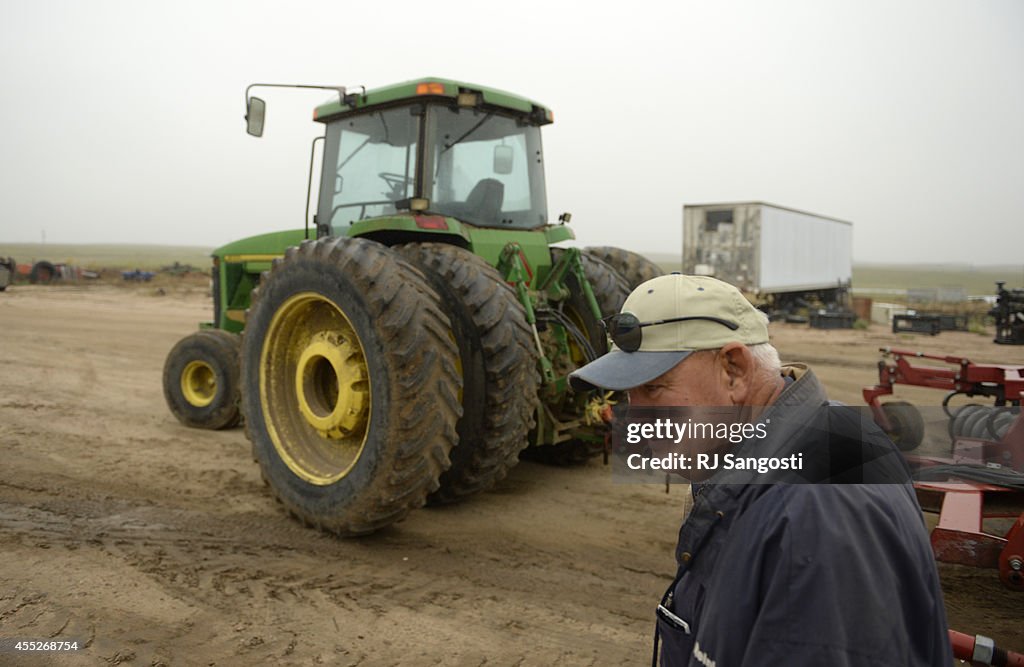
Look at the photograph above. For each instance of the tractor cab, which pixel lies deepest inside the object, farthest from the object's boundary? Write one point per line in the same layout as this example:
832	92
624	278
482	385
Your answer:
432	147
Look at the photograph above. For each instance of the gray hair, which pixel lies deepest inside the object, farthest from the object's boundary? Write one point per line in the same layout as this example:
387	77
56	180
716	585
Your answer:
767	358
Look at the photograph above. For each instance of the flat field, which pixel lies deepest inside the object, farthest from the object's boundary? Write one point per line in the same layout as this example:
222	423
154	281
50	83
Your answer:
155	544
973	279
108	256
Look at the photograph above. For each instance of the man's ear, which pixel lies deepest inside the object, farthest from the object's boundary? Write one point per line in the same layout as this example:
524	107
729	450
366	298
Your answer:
737	365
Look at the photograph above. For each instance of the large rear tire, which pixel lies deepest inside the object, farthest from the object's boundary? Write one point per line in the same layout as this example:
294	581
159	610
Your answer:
350	385
201	380
634	268
499	367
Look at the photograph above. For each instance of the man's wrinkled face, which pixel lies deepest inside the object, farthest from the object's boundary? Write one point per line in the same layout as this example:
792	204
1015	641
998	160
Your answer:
698	380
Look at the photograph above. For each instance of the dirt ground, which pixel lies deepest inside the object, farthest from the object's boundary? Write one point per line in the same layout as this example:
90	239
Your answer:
150	543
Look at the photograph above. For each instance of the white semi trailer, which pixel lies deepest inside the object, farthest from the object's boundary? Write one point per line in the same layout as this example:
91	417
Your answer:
777	254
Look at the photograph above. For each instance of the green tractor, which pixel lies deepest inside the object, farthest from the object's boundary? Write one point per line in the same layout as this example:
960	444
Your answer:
408	348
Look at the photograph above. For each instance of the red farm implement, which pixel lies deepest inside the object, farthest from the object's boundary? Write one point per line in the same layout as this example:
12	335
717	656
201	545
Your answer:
983	477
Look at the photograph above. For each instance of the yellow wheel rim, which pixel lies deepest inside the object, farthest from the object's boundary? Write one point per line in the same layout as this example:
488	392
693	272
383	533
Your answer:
315	388
198	383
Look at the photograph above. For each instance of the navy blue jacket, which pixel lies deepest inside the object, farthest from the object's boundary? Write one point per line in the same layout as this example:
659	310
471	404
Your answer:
807	574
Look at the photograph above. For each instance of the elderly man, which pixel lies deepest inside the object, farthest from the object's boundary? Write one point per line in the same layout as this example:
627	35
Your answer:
813	572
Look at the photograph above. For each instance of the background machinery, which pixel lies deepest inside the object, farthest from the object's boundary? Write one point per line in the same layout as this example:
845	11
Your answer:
410	345
1009	315
785	258
8	270
982	477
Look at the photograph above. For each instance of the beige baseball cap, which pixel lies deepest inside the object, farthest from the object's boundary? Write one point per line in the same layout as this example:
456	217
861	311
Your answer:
676	315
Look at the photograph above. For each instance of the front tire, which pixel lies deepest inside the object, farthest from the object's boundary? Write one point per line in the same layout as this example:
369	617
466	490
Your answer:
350	385
201	382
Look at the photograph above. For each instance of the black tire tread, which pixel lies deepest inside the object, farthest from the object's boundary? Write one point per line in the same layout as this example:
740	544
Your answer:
610	288
907	424
222	350
421	357
233	342
633	267
489	443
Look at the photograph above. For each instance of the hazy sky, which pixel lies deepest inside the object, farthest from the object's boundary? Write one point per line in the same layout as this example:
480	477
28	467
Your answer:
123	121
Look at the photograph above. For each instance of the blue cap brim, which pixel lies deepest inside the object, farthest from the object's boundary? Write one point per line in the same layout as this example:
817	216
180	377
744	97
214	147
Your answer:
618	370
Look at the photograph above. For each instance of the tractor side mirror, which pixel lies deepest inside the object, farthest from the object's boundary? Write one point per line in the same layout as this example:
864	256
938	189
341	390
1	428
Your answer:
255	112
503	159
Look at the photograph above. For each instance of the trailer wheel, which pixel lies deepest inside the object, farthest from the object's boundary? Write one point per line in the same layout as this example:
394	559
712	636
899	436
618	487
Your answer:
634	268
498	363
201	380
350	384
907	430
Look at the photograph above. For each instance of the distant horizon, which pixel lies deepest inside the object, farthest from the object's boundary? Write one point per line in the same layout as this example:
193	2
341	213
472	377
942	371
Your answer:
658	256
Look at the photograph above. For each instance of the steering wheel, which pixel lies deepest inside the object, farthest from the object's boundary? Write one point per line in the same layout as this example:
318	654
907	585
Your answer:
397	183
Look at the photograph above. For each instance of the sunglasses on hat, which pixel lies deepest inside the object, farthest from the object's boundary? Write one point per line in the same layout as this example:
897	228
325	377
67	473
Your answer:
626	329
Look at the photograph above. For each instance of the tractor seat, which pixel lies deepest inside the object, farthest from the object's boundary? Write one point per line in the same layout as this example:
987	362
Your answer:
483	204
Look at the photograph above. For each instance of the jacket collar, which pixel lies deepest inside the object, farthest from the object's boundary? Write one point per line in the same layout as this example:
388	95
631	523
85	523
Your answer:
718	496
